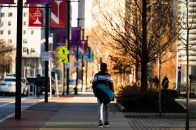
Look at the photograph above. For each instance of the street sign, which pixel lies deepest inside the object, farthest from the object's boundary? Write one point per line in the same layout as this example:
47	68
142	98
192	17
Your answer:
63	60
63	51
46	56
76	64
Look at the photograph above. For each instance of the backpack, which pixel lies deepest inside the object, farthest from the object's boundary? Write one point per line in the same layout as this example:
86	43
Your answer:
104	94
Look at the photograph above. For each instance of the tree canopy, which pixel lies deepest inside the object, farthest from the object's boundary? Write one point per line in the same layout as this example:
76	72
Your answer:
141	29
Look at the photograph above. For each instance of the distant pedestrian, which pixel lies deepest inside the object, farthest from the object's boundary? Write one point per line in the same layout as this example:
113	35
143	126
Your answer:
165	83
103	77
156	81
38	83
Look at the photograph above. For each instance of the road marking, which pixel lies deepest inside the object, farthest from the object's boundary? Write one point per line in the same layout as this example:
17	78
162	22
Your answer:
11	102
9	116
23	107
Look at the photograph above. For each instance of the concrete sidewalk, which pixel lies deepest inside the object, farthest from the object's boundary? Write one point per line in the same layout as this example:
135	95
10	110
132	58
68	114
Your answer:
72	112
79	112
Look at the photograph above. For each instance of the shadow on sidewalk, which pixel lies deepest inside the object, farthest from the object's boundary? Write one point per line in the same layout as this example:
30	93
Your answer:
71	108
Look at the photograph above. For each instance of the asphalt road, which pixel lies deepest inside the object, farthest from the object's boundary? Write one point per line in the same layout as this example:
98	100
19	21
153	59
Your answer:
192	103
7	105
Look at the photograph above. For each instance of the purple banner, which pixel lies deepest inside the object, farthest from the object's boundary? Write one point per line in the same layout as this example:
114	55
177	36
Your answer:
38	2
61	36
75	35
6	1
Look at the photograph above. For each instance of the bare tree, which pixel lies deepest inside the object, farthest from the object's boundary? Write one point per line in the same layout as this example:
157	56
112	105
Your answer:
140	28
5	55
187	20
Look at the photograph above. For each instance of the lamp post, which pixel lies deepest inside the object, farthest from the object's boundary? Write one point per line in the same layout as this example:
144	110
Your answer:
82	60
18	60
68	42
46	50
77	46
86	65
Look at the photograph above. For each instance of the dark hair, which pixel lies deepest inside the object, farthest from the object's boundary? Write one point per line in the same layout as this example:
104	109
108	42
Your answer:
103	66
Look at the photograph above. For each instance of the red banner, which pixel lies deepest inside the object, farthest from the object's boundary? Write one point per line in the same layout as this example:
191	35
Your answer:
38	2
58	13
35	16
83	47
6	1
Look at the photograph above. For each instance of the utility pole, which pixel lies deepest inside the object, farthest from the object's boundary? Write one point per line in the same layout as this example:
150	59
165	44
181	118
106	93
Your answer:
46	50
77	46
68	42
82	61
86	65
18	60
77	57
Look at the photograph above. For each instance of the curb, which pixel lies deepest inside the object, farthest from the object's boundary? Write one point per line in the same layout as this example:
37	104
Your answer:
122	108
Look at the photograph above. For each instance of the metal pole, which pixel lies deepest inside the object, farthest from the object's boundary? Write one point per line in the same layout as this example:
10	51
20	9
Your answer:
187	66
18	60
46	49
82	61
86	67
50	69
63	80
159	67
68	41
76	88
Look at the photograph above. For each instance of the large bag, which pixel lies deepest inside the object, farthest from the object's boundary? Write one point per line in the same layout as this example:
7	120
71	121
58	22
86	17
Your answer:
104	94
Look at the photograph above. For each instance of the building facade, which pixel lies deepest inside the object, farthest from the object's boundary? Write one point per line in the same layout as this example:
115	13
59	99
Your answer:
31	42
187	40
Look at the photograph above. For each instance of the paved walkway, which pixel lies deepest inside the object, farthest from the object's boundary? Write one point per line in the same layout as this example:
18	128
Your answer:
78	112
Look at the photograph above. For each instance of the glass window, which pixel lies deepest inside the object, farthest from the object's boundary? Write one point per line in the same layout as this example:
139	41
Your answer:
1	32
9	14
32	49
2	14
9	23
1	23
24	40
10	79
32	32
24	32
9	31
25	14
24	49
25	23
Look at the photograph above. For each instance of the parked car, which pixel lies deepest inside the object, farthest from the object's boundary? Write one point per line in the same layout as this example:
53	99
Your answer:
8	85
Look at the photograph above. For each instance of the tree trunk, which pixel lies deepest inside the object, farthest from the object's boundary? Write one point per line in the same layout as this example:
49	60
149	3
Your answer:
137	71
144	47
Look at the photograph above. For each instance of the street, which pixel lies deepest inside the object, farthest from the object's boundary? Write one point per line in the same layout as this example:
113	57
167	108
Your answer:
7	105
192	103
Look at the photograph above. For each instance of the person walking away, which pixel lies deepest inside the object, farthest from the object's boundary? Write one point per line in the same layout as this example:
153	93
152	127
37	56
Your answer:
103	77
156	81
38	83
165	83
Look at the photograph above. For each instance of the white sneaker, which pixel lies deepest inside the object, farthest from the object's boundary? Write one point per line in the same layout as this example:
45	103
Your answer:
100	124
106	124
